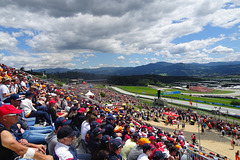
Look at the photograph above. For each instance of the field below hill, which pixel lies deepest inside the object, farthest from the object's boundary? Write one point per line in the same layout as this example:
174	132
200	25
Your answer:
153	92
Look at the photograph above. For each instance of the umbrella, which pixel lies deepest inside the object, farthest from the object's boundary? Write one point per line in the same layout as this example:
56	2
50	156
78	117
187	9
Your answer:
171	114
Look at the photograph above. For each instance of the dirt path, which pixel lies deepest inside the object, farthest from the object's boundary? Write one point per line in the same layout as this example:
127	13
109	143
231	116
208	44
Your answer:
211	140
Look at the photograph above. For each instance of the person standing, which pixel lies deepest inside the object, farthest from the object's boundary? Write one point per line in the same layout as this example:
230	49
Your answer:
193	138
233	143
237	155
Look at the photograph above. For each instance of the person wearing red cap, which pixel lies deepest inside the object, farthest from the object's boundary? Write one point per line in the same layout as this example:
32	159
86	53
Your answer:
52	110
79	118
10	148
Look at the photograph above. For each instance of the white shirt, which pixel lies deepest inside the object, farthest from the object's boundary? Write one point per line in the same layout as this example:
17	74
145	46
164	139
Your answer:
23	84
14	88
3	89
62	151
181	137
84	128
143	156
27	106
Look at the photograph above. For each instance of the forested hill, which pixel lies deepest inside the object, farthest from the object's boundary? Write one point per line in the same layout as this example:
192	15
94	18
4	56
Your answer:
166	69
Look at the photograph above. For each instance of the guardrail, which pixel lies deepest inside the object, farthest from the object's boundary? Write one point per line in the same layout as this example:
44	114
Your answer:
192	154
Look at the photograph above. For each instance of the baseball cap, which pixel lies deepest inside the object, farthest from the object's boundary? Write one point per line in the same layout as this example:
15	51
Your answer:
152	138
102	114
29	94
105	139
9	109
142	141
97	131
158	155
52	102
66	132
136	135
110	117
16	97
116	144
93	125
81	110
146	147
61	121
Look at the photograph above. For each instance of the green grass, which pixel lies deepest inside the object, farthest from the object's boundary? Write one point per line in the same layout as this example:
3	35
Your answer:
139	90
151	91
99	86
183	91
217	100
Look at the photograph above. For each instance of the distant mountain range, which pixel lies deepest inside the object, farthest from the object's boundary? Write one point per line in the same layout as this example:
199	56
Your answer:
163	68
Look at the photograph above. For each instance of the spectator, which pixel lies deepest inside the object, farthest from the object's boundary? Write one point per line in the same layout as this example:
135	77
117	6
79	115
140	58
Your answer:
137	150
30	111
116	146
129	145
52	110
79	118
85	127
23	85
109	127
10	147
158	155
63	149
14	86
95	140
51	139
147	150
4	90
104	148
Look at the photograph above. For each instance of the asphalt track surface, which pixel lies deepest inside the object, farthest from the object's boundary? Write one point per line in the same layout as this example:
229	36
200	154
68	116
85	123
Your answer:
223	109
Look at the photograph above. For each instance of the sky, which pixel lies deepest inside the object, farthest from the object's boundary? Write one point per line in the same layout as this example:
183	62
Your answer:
76	34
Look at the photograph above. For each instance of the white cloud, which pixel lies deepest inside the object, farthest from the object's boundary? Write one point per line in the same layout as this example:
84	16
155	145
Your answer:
154	59
84	62
126	27
121	57
7	41
103	65
88	55
136	62
220	50
40	60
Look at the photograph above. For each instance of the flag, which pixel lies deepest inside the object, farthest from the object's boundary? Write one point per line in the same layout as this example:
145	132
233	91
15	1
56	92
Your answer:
190	102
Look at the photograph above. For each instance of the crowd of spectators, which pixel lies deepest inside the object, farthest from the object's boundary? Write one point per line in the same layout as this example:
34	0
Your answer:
77	127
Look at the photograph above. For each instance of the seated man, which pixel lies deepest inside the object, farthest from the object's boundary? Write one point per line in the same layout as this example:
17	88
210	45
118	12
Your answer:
64	149
30	111
10	147
51	139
